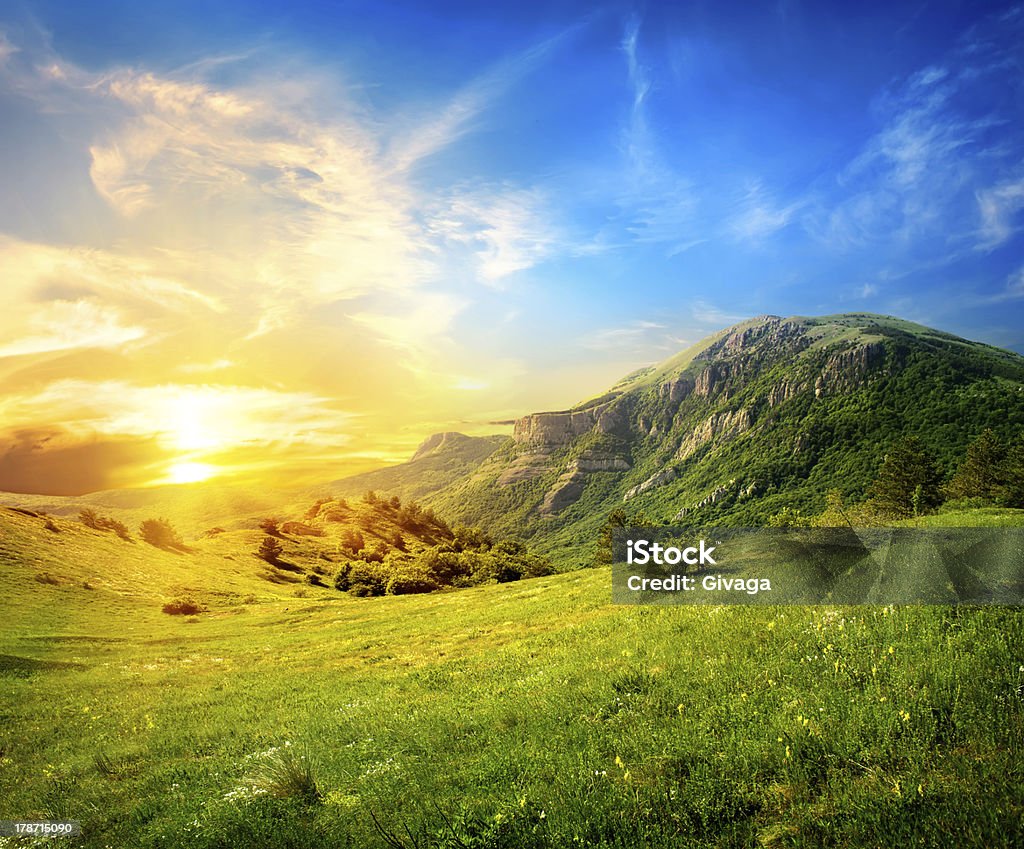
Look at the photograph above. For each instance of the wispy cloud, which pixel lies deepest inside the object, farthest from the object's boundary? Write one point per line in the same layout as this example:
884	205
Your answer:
637	137
505	229
758	216
184	417
999	207
66	325
281	202
659	204
708	314
926	176
457	118
1013	290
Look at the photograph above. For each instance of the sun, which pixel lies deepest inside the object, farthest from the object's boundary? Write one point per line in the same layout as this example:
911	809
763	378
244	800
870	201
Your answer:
194	422
190	472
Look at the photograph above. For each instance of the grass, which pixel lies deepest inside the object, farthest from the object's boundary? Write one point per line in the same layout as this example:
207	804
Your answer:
533	714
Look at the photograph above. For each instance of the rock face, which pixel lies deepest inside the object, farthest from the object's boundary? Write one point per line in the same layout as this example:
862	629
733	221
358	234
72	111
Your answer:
561	428
676	390
784	390
847	369
687	407
657	479
567	489
712	497
720	427
553	429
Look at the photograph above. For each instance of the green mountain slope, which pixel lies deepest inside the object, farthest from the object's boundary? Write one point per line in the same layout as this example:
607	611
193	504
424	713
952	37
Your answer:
767	414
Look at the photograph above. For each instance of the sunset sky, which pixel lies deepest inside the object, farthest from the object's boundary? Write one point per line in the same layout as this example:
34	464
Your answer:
284	242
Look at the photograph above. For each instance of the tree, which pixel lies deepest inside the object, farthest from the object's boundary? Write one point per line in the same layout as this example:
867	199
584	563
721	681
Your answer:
908	481
604	554
1013	485
981	473
351	541
87	516
161	533
270	549
788	517
269	526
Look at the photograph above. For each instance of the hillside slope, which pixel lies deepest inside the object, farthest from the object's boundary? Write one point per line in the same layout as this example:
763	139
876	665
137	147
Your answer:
769	413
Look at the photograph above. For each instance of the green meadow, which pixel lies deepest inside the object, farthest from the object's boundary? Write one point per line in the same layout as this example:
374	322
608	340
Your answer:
526	714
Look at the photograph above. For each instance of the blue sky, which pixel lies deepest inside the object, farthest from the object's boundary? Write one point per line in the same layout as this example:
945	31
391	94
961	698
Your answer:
479	209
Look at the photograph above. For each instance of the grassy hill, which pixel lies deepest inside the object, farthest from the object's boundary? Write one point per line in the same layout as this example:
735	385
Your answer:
533	714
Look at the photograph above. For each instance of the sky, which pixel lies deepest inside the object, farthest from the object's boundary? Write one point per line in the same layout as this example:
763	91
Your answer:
284	242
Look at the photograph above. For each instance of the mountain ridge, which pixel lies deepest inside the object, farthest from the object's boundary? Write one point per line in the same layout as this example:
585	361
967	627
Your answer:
769	413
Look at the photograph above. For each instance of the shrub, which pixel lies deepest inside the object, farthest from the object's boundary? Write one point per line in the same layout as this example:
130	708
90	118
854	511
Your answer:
269	526
351	541
160	533
286	775
183	607
91	519
362	579
410	577
87	516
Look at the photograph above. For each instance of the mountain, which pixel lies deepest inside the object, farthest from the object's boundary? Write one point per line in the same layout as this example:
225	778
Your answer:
441	460
770	413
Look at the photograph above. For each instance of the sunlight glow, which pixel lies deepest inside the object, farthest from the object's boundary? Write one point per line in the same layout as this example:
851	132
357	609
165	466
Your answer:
190	472
195	427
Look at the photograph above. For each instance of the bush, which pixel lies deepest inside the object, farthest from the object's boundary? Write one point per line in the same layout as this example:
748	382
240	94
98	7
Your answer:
87	516
351	541
91	519
269	526
160	533
286	775
362	579
183	607
410	577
